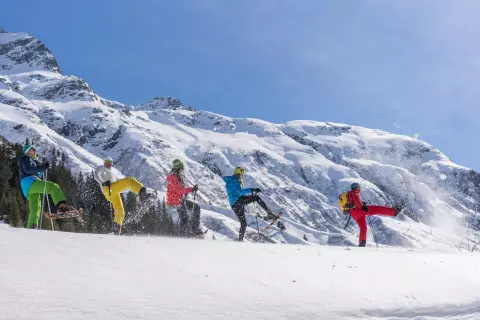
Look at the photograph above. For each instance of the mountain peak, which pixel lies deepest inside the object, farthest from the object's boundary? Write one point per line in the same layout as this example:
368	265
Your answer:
22	52
164	103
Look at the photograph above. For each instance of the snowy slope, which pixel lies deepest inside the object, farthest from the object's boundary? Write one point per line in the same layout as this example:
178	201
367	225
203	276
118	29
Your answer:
301	166
82	276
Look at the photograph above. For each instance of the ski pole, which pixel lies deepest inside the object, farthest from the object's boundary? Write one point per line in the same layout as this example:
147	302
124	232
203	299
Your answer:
110	203
255	214
348	221
43	201
373	230
193	213
48	204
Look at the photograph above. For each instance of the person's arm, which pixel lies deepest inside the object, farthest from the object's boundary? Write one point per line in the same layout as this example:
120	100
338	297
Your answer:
97	175
356	200
185	190
246	191
29	168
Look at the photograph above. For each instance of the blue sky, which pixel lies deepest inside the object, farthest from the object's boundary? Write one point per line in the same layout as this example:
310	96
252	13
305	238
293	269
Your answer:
402	66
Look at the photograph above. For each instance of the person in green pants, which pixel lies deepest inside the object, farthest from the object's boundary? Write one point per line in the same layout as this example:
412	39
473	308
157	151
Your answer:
33	187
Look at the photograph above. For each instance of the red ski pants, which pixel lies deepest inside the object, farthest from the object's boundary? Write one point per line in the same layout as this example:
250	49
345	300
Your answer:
360	217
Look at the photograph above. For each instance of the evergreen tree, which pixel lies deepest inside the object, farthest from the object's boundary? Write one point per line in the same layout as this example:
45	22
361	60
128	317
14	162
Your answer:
82	191
5	167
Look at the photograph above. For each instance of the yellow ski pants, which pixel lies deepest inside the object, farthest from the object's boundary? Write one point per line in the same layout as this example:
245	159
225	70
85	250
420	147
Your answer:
113	195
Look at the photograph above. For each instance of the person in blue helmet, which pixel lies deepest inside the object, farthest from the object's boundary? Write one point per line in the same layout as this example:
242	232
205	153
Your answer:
239	197
359	211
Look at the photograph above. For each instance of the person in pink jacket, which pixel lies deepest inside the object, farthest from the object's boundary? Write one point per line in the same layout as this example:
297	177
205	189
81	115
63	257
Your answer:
176	197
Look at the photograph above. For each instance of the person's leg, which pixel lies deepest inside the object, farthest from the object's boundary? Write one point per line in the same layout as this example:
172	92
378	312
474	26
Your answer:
118	209
125	184
239	210
359	216
182	212
56	192
34	204
246	200
195	219
51	188
264	206
380	210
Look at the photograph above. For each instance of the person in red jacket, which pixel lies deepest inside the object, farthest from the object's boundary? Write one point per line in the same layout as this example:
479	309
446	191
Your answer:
176	197
360	211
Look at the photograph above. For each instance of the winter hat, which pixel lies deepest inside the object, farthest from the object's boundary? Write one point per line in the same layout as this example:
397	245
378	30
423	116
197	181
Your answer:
177	165
27	148
108	158
355	185
239	170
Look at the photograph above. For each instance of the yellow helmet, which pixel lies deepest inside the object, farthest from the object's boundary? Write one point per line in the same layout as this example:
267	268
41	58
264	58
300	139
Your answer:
239	170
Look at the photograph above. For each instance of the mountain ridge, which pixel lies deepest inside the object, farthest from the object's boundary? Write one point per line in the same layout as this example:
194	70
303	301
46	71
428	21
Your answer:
302	165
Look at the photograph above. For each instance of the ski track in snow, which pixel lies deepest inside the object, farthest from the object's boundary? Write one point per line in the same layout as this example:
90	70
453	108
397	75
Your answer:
55	275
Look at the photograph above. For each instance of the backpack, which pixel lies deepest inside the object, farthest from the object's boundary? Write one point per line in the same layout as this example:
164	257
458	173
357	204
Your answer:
345	206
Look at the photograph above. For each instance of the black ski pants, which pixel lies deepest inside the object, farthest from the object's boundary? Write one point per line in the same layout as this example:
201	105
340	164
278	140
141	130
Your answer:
239	209
189	226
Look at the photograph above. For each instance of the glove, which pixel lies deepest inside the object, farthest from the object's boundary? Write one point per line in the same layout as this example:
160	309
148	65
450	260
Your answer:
195	188
107	184
257	190
364	207
46	165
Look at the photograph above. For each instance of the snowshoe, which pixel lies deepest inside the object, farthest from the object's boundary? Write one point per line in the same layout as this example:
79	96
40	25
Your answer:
145	205
144	195
258	237
200	233
117	229
273	222
65	212
270	216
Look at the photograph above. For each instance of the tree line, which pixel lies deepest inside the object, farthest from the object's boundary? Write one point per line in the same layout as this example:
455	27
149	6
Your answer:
82	191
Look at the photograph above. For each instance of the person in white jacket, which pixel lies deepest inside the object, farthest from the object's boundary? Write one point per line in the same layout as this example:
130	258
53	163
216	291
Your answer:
112	189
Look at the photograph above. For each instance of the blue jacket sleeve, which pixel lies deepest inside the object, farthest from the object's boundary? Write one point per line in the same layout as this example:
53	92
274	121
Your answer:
29	168
246	192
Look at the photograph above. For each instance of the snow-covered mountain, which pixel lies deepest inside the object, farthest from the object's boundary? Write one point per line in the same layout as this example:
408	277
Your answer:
302	166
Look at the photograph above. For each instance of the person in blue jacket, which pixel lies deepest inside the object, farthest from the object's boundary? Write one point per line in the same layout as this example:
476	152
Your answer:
31	175
239	197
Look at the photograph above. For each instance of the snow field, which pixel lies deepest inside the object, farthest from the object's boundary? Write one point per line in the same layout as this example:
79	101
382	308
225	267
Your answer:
53	275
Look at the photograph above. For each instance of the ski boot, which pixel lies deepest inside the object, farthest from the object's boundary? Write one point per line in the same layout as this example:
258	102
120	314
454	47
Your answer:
271	216
144	196
399	210
117	229
362	243
64	210
280	225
